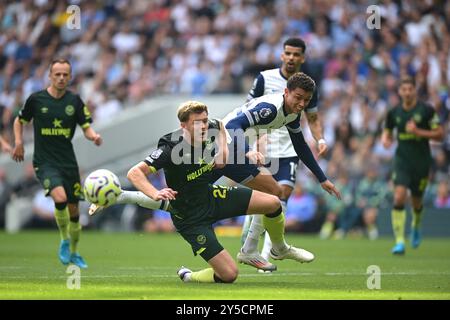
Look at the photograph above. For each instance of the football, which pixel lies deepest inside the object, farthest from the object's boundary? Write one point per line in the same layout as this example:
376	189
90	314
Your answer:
102	187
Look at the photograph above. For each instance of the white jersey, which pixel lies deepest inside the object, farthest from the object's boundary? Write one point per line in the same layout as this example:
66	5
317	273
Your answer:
265	114
271	81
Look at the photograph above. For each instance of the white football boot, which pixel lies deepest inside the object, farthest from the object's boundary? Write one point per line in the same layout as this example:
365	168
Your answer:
293	253
255	260
95	209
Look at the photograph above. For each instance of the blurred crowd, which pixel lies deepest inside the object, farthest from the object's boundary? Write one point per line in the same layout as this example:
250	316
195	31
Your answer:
128	50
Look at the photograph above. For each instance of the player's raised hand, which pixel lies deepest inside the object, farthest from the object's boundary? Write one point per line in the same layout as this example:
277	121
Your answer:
18	153
255	157
329	187
166	194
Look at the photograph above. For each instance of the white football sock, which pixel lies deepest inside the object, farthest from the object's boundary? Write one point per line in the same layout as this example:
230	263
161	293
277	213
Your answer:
254	232
267	246
139	198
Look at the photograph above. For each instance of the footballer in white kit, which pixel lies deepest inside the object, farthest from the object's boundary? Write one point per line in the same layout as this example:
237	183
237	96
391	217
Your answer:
267	113
278	144
281	158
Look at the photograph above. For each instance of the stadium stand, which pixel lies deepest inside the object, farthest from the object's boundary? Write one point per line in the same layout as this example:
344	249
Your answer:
135	60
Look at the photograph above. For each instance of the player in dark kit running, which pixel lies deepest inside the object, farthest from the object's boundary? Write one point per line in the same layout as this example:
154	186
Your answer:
416	123
56	112
189	157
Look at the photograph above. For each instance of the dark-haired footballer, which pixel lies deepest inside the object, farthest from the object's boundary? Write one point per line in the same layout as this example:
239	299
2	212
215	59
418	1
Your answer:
416	123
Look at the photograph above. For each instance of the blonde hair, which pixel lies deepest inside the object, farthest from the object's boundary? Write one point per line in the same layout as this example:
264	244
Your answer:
188	107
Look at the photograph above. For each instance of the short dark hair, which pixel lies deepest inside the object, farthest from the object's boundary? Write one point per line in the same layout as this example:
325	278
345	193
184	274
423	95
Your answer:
301	80
60	60
295	42
407	80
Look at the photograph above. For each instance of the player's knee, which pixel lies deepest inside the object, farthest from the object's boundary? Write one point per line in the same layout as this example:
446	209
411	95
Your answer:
58	194
275	210
59	198
399	200
274	205
230	274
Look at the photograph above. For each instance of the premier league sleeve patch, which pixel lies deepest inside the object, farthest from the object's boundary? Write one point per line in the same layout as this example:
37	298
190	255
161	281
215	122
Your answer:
156	154
264	113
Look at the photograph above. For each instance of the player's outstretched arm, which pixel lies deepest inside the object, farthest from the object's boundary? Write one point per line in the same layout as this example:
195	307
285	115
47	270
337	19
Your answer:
305	154
316	129
93	136
329	187
138	177
19	151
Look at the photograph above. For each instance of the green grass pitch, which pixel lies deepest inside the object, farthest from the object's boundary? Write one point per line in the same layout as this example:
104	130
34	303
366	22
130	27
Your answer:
143	266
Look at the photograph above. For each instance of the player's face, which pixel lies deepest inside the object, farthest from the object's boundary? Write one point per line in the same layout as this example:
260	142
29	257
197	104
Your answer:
296	100
407	92
60	76
197	127
292	59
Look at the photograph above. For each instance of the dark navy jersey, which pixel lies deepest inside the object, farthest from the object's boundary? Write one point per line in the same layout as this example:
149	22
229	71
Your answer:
268	113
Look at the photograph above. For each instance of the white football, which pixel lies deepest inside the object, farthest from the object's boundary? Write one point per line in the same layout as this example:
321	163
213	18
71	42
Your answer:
102	187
